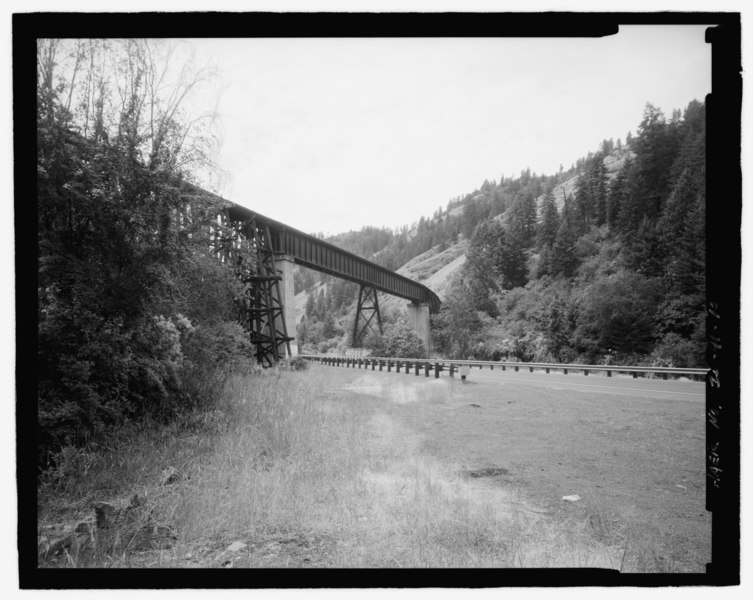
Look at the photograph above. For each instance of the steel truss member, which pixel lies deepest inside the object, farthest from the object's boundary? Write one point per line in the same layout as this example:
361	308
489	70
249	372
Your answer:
367	303
260	310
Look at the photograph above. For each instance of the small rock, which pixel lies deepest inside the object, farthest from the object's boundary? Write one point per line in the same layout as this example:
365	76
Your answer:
169	476
235	547
106	514
84	528
573	498
680	486
475	405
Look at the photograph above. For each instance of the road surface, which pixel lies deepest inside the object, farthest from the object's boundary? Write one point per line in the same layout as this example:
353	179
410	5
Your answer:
691	391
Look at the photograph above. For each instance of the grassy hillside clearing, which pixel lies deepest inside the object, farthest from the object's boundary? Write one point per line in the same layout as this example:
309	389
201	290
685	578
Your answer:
336	468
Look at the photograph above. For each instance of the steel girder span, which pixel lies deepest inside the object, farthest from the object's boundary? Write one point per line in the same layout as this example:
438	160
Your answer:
309	251
262	252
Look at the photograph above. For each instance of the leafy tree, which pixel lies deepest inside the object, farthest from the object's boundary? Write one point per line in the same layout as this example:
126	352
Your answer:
128	297
455	326
482	261
329	329
398	340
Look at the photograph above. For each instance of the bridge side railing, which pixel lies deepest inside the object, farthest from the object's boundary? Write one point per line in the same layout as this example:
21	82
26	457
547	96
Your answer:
454	366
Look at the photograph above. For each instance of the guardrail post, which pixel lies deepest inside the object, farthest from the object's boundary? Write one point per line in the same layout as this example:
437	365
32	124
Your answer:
547	370
407	368
418	368
452	370
530	369
635	374
389	366
516	368
491	367
436	370
564	371
609	373
427	366
664	375
373	365
504	368
585	371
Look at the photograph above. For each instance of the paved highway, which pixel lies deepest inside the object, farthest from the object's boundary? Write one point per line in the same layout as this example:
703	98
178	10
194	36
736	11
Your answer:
690	391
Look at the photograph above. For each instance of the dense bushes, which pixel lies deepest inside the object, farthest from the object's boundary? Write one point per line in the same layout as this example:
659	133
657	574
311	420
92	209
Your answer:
398	340
135	316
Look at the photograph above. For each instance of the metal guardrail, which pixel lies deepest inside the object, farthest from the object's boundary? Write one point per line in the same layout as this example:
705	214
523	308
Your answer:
439	365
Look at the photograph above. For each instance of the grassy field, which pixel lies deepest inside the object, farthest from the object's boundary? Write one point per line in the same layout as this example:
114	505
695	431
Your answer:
347	468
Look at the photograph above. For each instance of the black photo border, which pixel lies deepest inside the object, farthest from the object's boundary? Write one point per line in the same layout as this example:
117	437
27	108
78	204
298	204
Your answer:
724	207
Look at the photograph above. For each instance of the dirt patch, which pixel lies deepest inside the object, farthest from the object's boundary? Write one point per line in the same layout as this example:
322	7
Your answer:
488	472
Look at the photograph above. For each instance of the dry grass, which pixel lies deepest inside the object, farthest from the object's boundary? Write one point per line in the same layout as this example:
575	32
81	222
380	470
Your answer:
321	468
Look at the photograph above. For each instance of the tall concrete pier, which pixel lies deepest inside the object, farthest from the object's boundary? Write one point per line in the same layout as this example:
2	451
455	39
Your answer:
418	317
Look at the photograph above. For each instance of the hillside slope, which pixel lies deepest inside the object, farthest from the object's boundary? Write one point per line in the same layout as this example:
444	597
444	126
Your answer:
602	262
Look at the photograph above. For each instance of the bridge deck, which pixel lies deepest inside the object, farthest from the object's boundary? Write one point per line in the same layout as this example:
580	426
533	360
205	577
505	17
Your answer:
309	251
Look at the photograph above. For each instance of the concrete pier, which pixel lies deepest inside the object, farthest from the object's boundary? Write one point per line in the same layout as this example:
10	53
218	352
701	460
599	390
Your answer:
285	264
418	317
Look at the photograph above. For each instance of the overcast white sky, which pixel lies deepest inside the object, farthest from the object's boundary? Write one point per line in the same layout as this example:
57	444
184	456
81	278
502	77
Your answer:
333	134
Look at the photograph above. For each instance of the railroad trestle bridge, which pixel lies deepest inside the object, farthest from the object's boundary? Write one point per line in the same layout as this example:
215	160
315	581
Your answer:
263	252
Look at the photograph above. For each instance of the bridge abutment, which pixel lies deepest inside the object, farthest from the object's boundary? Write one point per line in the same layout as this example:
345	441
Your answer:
418	317
285	264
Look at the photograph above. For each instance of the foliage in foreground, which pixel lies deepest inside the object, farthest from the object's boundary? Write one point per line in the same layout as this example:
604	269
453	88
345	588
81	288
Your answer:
134	314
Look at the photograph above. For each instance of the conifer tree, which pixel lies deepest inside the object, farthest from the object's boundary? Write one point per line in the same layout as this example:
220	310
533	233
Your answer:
563	259
549	221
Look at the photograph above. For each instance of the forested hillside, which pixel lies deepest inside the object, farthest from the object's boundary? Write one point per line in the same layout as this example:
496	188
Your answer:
600	263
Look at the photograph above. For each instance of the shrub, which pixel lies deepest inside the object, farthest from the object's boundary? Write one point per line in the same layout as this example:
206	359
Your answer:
296	363
398	340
